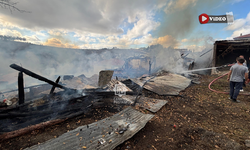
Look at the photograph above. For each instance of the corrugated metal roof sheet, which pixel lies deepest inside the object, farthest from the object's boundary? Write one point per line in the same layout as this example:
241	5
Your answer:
105	134
170	84
150	104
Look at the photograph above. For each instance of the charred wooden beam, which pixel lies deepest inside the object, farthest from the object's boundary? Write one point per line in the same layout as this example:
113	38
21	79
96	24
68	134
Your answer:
53	88
34	75
22	131
228	50
12	134
20	88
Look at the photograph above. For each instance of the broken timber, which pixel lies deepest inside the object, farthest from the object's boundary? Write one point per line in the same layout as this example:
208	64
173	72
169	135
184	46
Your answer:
34	75
23	131
104	134
53	88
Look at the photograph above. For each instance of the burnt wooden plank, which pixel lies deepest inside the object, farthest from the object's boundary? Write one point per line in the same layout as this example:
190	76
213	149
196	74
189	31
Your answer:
105	134
34	75
20	132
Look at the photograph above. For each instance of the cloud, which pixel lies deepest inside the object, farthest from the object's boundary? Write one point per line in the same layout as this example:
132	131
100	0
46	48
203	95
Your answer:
10	32
142	27
240	26
58	43
237	24
33	39
166	41
147	39
40	33
88	23
184	40
91	15
87	39
178	5
57	32
244	30
138	35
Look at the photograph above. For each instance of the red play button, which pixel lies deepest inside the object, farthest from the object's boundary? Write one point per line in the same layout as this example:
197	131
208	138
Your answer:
203	18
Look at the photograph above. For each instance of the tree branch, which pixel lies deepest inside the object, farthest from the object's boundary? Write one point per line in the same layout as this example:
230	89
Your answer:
7	4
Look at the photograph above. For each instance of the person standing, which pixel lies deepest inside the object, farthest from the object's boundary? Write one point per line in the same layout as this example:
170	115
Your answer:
248	80
244	80
245	62
236	76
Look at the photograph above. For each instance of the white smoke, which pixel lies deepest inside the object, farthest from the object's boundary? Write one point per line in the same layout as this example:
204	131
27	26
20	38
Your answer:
51	62
168	59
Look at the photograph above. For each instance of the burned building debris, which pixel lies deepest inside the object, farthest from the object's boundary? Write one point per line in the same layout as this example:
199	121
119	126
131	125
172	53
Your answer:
135	67
66	99
108	133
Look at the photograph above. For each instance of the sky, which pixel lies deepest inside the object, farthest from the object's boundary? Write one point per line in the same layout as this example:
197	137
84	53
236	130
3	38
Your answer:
97	24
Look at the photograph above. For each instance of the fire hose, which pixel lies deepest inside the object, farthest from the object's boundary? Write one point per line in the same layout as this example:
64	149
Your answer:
209	86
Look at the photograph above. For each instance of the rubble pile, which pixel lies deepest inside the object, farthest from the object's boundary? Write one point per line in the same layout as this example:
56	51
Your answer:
75	96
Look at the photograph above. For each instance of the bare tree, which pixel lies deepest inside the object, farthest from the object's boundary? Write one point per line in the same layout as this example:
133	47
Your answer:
9	4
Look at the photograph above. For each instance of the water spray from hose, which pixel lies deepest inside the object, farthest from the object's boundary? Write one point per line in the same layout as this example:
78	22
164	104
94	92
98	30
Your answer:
206	68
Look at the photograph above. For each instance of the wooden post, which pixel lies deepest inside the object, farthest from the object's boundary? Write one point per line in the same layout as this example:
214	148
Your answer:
20	88
150	64
53	88
34	75
104	77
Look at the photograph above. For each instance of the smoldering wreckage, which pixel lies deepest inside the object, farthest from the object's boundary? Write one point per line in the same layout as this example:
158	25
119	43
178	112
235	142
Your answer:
38	107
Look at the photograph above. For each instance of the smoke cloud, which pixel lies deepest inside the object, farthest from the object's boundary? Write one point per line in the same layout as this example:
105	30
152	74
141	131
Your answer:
168	59
182	17
51	62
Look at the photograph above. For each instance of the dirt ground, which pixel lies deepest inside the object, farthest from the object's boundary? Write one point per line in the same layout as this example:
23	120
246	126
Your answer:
198	119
